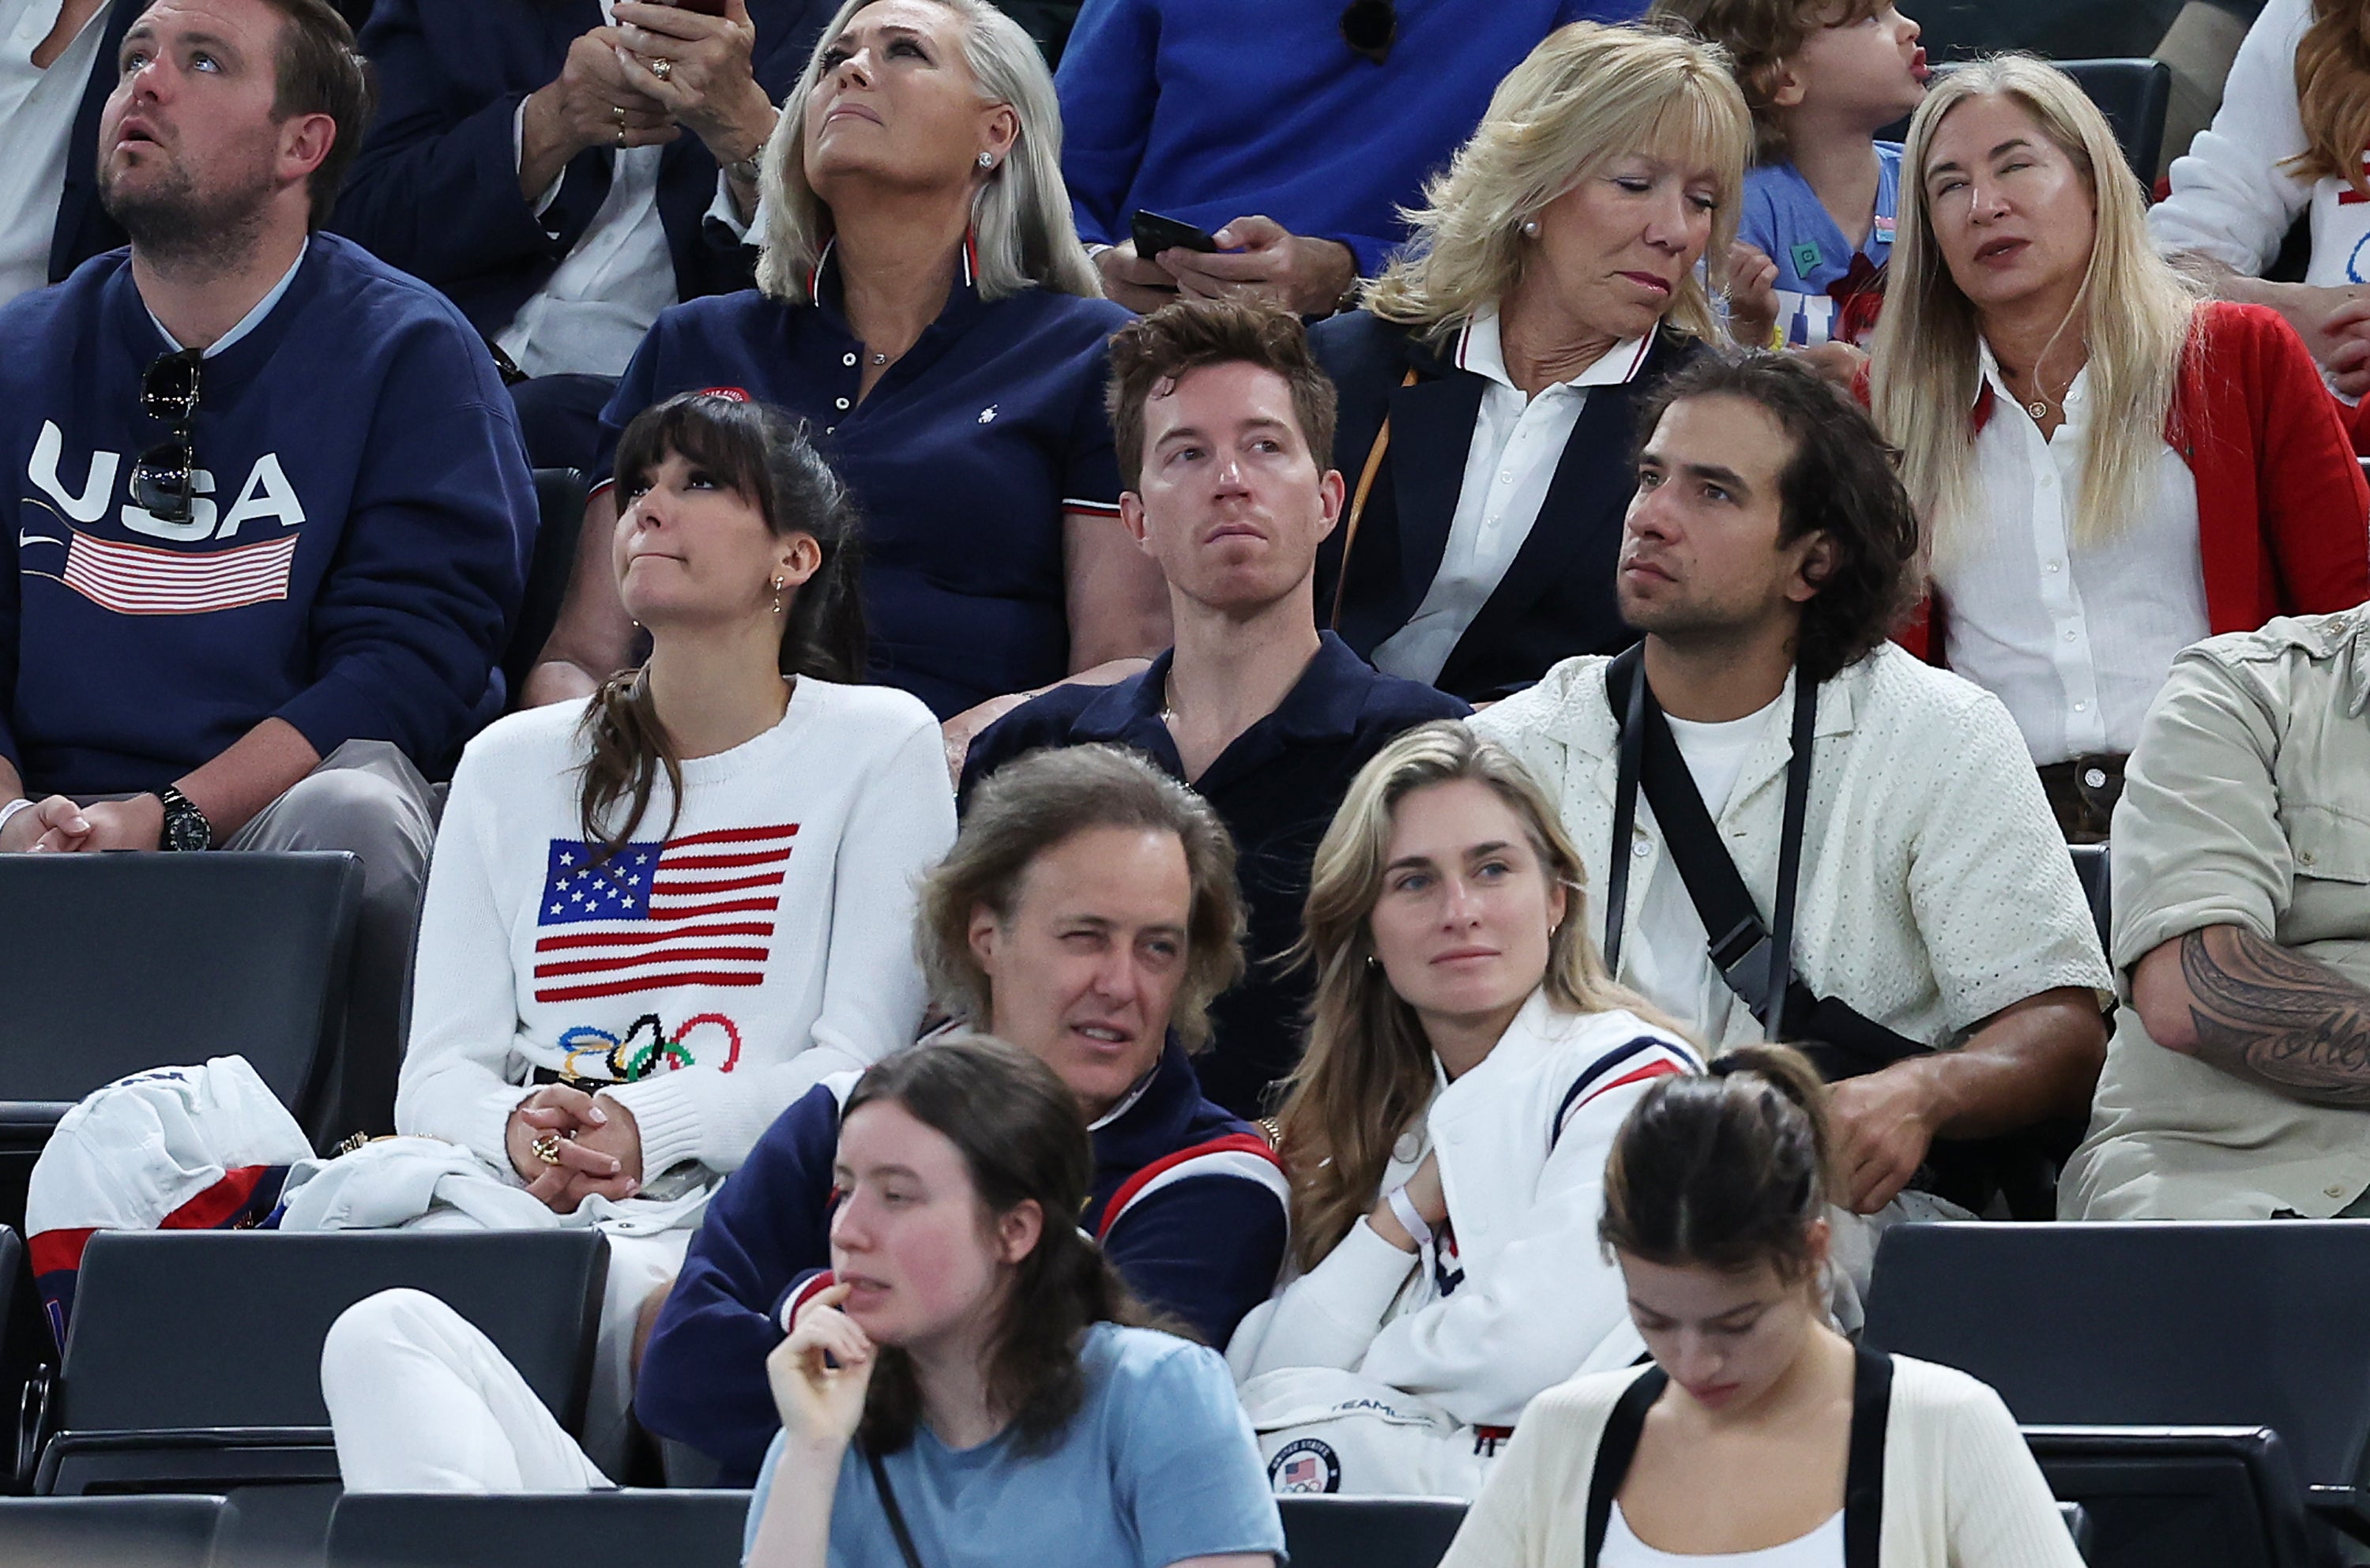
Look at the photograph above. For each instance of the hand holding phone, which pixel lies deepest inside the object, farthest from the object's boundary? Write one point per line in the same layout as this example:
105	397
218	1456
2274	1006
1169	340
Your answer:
1155	233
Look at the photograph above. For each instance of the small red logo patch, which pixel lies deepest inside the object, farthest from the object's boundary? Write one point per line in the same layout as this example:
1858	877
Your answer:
731	394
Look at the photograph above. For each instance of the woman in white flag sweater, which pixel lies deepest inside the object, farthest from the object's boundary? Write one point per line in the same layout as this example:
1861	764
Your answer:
655	920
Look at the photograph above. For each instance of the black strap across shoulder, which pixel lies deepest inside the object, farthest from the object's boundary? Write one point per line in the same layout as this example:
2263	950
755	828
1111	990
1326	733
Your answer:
1757	963
1863	1464
1614	1449
896	1515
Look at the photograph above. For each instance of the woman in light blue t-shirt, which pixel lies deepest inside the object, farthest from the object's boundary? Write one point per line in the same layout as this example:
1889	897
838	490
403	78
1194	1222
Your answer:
964	1388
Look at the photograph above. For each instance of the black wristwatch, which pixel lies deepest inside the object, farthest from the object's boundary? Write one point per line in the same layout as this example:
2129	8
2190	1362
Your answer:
186	827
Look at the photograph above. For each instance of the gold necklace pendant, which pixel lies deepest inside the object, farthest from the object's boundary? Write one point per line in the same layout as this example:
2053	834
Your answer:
2038	410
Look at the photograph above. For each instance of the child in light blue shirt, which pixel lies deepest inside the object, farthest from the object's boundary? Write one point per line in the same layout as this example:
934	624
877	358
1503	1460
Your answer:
1822	77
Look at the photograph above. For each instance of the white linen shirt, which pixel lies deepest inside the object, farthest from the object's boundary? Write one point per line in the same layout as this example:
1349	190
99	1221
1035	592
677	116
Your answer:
37	115
2075	638
592	312
1517	443
1935	888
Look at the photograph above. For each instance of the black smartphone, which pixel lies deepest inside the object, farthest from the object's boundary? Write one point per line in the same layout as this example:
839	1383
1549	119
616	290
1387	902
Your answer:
1155	233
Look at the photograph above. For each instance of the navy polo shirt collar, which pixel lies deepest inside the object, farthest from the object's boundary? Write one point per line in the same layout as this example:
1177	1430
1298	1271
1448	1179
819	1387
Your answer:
964	302
1324	704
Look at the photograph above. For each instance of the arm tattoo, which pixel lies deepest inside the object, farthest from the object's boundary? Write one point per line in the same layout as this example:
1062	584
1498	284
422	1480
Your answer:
2276	1019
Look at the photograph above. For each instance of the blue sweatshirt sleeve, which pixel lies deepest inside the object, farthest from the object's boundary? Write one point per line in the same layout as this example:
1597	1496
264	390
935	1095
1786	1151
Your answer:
429	566
766	1230
1207	1250
1108	92
435	189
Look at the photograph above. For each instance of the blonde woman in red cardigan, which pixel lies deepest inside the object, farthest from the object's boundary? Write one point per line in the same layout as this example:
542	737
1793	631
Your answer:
2108	468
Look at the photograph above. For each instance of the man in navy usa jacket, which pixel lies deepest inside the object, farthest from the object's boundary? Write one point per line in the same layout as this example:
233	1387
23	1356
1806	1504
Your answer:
1088	914
267	502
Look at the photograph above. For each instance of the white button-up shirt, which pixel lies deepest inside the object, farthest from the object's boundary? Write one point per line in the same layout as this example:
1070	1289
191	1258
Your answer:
1517	442
37	116
2075	638
591	314
1935	888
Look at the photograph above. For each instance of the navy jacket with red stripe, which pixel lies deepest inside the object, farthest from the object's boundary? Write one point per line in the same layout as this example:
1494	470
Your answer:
1188	1204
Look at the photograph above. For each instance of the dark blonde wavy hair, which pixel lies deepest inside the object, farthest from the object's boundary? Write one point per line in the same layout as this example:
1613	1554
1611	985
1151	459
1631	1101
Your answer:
2333	80
1367	1074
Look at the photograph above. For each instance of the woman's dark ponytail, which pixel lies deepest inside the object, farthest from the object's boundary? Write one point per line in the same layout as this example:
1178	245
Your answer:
765	456
1726	1170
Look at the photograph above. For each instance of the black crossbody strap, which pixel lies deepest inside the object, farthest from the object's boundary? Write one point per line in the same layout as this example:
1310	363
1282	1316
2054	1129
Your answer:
1615	1448
1739	944
889	1507
1624	694
1754	965
1789	851
1864	1467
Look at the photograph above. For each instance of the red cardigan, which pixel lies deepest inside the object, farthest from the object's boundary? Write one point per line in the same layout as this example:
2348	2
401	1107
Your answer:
2283	511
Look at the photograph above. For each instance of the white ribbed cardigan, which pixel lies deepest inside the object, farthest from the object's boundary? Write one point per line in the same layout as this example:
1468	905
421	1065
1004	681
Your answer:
1960	1489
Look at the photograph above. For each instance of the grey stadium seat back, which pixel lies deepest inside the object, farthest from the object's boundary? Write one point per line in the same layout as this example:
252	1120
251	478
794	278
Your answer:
2095	869
2181	1496
194	1356
110	1532
560	496
599	1530
1324	1531
2159	1324
242	954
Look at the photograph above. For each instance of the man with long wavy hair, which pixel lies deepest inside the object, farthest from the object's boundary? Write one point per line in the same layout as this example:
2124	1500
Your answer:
1944	966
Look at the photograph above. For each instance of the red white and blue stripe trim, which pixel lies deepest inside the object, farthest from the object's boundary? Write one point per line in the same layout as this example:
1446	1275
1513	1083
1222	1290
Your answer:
1646	1057
1244	1156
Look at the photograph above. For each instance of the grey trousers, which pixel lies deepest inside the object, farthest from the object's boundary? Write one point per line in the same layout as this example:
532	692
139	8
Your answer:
365	797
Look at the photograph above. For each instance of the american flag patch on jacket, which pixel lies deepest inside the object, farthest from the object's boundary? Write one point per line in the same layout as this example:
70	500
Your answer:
692	911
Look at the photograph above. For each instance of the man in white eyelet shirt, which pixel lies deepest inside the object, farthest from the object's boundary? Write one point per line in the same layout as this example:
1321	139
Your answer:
1518	441
47	51
1768	539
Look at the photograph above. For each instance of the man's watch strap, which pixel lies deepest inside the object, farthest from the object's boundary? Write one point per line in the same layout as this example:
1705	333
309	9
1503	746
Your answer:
186	827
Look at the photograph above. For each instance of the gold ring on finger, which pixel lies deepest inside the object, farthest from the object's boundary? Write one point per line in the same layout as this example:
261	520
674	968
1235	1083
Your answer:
662	68
617	113
547	1149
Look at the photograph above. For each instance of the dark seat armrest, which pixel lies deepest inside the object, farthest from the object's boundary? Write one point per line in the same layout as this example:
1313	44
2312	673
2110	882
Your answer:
2346	1508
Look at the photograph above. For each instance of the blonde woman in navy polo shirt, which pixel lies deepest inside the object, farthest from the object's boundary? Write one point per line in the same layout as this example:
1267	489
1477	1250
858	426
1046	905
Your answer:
924	303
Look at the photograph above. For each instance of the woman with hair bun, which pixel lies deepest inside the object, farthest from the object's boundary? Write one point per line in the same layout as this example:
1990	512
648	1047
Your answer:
1760	1437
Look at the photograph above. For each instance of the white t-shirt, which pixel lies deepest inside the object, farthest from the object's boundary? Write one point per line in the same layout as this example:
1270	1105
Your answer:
1667	955
727	963
1822	1547
37	116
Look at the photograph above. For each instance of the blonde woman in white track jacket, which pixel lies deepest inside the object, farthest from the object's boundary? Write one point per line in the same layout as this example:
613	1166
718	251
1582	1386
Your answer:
1469	1062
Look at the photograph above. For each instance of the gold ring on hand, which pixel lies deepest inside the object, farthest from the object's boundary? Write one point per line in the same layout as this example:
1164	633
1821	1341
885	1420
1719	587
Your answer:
617	113
547	1149
662	68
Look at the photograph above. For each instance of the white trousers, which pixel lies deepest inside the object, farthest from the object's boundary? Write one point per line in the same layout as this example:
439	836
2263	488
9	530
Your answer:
421	1400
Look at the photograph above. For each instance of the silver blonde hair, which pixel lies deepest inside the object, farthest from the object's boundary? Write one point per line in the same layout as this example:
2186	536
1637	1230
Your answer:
1586	97
1021	213
2133	312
